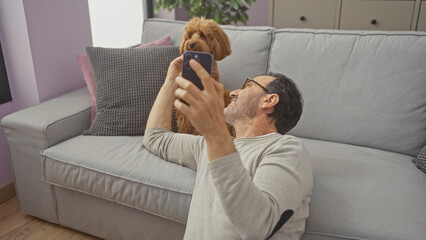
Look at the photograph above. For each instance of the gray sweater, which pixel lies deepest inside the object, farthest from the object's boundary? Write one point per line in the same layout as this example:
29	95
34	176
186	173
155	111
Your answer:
245	194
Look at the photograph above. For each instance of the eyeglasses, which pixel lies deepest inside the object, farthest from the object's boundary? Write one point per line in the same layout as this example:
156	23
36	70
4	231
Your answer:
252	80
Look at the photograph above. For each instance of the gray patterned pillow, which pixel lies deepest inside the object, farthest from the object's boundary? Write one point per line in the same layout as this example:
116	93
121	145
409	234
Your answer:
420	161
127	82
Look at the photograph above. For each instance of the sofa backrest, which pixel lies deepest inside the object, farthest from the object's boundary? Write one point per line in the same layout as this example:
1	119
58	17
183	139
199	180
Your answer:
364	88
360	87
250	48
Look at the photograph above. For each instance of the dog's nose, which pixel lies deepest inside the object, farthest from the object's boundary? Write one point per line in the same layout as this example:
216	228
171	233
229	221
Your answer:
192	45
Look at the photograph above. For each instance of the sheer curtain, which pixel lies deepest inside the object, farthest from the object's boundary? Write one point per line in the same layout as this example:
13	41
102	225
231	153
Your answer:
116	23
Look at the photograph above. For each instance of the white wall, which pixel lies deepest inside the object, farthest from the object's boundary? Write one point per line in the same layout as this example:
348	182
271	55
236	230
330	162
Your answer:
116	23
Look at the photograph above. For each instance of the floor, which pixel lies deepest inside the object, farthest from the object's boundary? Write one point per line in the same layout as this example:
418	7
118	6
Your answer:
16	225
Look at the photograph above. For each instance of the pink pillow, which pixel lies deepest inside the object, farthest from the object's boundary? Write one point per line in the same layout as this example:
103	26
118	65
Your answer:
86	68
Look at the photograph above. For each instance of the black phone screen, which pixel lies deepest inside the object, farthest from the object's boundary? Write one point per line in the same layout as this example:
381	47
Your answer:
205	59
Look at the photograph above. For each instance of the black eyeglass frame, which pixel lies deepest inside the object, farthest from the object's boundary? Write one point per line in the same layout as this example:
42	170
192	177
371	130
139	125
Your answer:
258	84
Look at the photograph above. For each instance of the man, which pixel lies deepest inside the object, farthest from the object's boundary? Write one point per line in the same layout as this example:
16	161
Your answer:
256	186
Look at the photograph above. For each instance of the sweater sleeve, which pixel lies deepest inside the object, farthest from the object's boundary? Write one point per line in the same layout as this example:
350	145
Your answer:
280	183
182	149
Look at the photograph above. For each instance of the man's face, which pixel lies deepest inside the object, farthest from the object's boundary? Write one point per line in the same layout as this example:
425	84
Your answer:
246	102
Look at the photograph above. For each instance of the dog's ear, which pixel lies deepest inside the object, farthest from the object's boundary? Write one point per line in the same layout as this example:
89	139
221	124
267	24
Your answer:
222	46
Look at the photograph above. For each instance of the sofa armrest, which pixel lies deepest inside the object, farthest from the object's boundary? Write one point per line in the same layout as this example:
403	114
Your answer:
53	121
30	131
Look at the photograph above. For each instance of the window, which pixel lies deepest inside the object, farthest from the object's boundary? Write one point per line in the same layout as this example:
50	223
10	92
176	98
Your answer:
116	23
5	95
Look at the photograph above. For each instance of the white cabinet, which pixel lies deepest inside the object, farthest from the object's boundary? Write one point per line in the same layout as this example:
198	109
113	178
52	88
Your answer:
376	15
304	13
392	15
421	24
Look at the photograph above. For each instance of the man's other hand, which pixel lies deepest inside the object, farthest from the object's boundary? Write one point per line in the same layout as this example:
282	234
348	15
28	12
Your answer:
175	70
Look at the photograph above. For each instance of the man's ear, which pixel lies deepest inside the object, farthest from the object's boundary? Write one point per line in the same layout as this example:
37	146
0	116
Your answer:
269	102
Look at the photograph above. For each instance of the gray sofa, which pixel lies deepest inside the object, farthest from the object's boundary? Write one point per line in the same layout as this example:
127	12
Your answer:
364	120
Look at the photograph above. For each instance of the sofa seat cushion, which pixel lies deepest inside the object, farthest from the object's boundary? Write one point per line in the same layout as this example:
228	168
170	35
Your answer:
364	193
120	169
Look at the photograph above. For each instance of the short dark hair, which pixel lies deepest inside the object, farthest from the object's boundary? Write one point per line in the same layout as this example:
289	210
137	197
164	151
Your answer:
289	108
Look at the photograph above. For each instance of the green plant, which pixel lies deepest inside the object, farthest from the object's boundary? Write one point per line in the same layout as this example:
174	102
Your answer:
222	11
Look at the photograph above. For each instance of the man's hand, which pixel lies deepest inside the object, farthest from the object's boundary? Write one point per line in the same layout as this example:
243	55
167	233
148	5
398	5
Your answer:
205	111
205	108
175	70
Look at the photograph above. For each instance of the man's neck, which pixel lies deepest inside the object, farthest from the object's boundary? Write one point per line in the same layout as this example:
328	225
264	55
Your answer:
254	128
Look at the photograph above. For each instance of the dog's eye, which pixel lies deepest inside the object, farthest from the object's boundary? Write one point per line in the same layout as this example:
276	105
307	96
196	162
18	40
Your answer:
188	35
202	35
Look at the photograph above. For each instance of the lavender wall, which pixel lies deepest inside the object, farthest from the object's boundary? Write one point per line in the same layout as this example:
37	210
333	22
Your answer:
57	30
259	13
40	39
19	66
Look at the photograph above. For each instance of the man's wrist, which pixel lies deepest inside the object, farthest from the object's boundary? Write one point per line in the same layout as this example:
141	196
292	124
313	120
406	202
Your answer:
161	111
217	134
170	84
219	144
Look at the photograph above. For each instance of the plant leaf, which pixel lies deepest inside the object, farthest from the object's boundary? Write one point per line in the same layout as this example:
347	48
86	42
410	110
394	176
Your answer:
221	11
234	4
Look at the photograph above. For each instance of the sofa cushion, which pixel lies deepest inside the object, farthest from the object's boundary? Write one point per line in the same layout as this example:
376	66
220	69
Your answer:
420	160
120	169
359	191
127	83
363	88
87	71
250	48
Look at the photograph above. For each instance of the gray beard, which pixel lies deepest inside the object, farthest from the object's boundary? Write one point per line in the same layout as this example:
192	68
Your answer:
235	112
229	117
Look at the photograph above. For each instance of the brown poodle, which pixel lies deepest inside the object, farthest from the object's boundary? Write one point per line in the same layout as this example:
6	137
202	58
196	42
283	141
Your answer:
204	35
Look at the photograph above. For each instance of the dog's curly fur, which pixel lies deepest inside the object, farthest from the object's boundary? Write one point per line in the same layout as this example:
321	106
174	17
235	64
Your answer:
204	35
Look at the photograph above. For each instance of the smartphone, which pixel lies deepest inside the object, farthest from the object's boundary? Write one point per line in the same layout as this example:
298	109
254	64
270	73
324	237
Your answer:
205	59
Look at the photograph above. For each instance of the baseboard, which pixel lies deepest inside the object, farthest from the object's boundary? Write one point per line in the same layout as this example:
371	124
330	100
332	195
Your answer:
7	192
